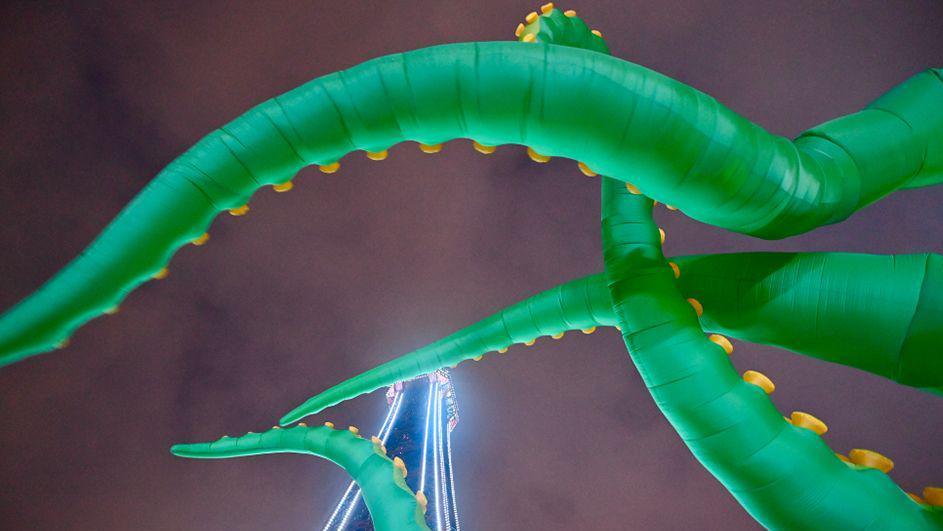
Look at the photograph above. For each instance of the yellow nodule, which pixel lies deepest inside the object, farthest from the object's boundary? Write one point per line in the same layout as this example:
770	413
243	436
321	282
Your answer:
354	429
809	422
760	380
537	157
632	189
871	459
284	187
330	168
661	235
671	207
698	308
377	155
519	30
477	358
530	37
557	336
569	13
530	343
430	148
160	275
502	350
239	211
675	269
589	330
205	237
329	425
422	501
399	465
531	17
480	148
585	169
933	496
723	342
113	310
303	424
597	33
546	8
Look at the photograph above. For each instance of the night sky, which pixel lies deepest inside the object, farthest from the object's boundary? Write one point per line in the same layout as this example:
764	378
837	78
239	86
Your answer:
352	269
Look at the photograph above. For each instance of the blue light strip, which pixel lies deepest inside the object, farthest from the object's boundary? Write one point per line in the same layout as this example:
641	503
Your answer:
448	444
425	437
385	428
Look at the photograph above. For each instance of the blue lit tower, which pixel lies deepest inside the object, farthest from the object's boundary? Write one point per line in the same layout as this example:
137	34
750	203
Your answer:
417	428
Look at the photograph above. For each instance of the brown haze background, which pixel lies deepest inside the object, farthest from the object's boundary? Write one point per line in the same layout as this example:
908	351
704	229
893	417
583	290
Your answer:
352	269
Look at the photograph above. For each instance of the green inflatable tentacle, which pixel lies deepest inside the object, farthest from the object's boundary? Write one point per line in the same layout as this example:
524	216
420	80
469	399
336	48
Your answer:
581	304
391	503
779	470
881	314
677	144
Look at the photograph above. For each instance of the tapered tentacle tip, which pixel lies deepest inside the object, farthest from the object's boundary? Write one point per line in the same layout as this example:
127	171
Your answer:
723	342
422	501
239	211
809	422
933	496
330	168
661	236
283	187
202	239
760	380
585	169
871	459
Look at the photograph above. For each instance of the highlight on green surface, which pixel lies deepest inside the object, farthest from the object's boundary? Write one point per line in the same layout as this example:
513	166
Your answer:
647	138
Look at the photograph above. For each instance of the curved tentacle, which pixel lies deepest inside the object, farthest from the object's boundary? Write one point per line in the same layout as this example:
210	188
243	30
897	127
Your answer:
881	314
681	146
392	505
780	471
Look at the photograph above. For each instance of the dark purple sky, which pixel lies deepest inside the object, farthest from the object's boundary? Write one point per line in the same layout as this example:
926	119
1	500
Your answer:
353	269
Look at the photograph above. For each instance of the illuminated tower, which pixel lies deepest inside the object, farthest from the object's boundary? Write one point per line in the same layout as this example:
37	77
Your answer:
418	428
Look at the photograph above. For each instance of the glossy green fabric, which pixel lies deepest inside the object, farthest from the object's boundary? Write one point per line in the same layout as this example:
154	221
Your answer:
392	505
678	145
881	314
